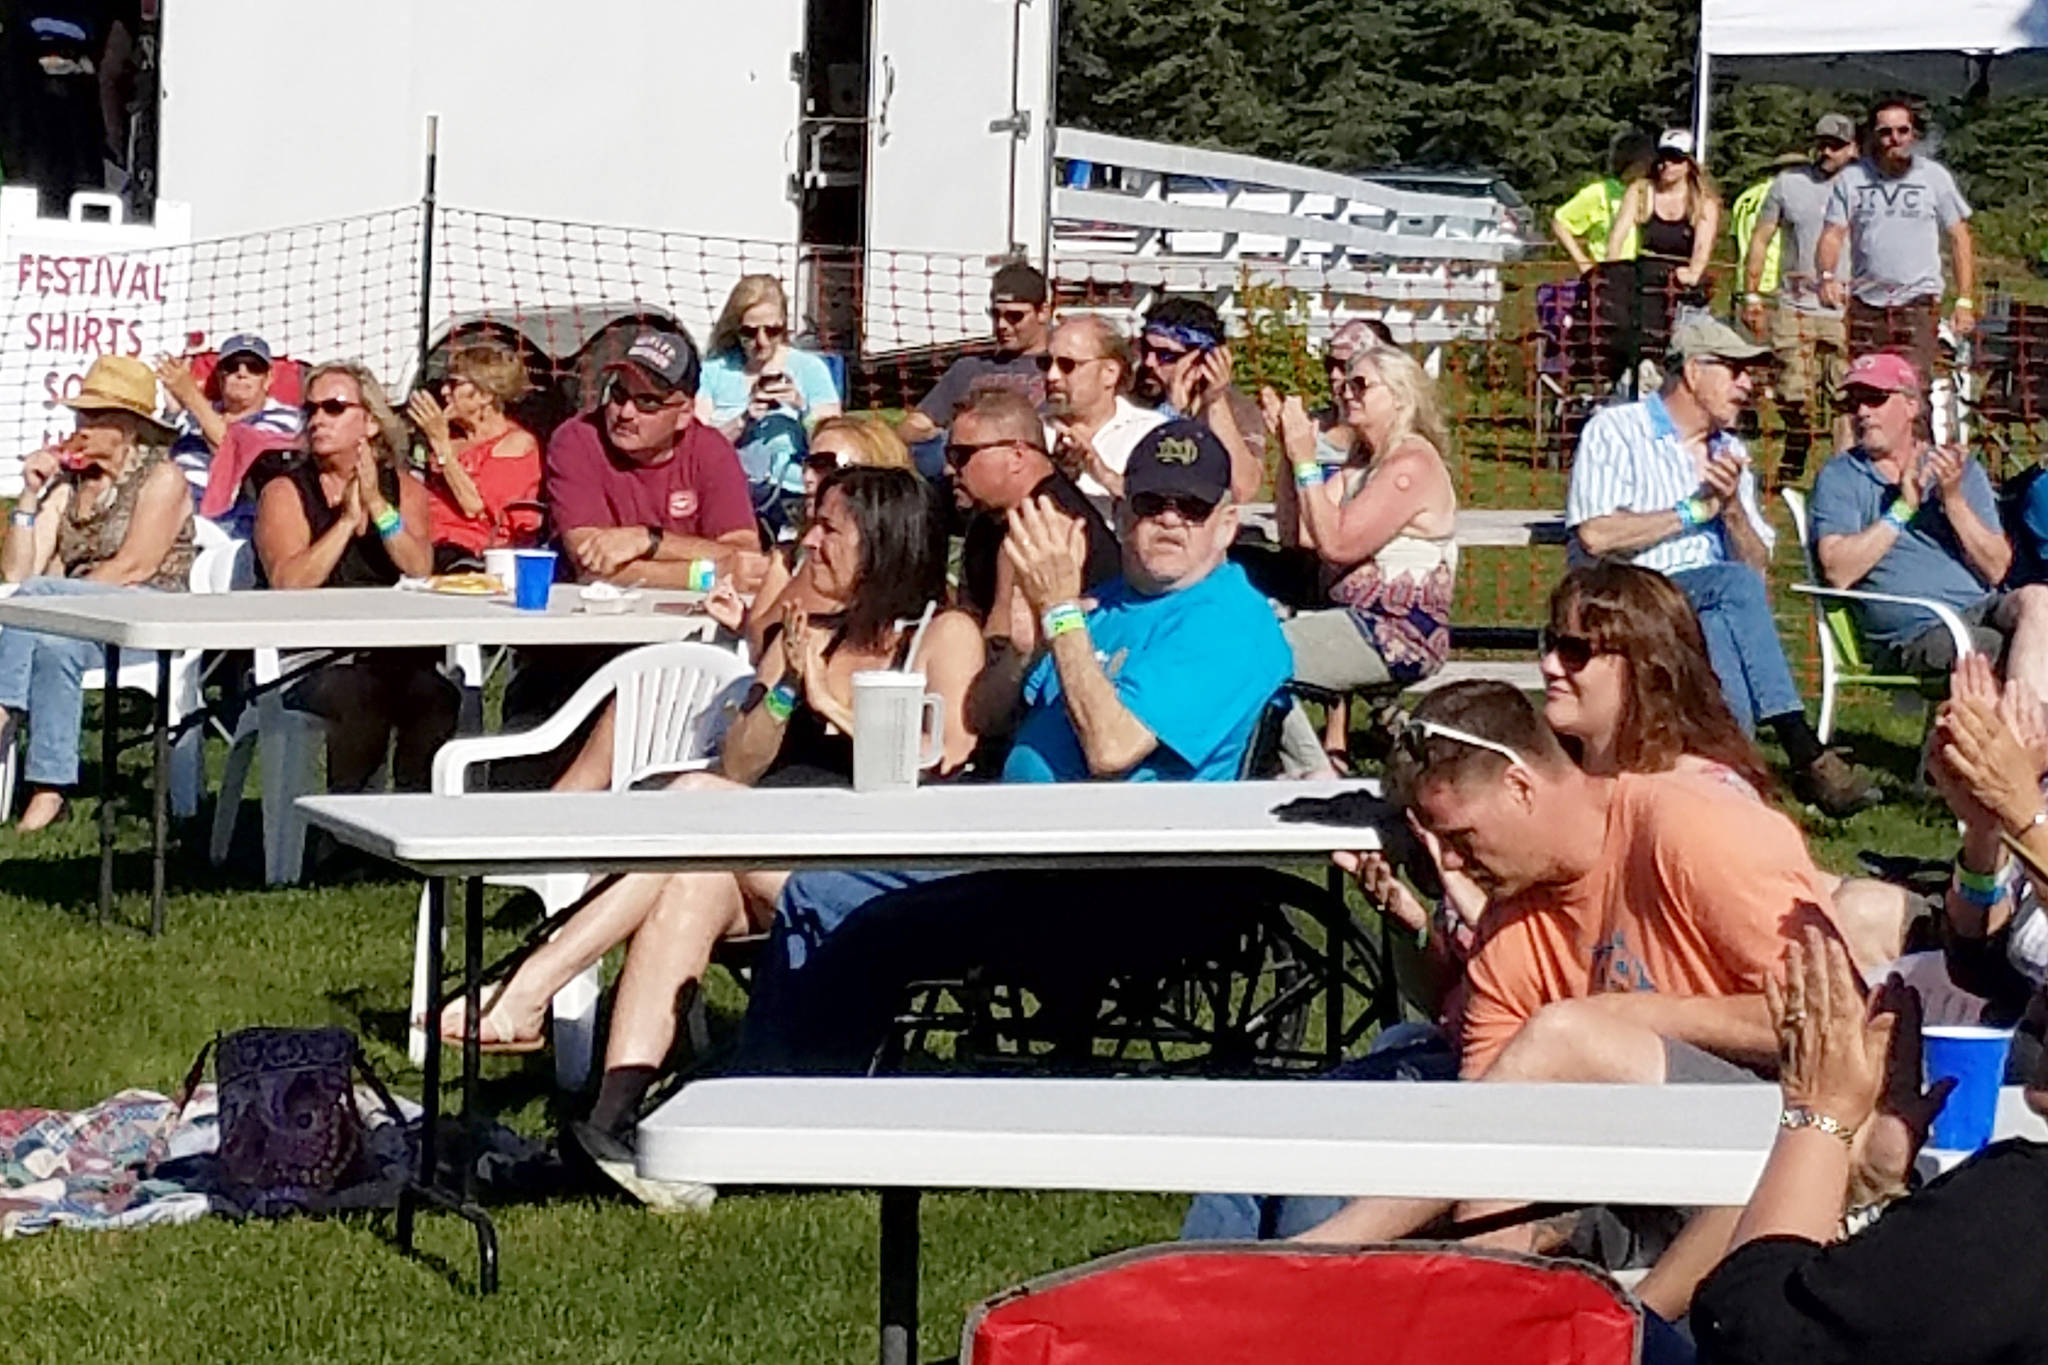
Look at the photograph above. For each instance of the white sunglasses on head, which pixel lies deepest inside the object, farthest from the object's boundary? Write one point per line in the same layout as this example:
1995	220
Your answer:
1416	734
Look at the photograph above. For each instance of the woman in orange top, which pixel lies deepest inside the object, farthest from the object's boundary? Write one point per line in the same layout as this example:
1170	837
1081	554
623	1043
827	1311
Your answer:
471	486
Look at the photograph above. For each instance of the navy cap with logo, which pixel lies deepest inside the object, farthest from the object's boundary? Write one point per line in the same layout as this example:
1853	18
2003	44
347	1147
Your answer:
1179	457
246	343
667	358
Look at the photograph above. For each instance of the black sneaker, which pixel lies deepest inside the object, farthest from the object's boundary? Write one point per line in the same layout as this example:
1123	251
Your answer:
1837	786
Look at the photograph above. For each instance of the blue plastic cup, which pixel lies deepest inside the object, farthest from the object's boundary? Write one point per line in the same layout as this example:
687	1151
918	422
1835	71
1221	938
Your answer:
532	577
1975	1056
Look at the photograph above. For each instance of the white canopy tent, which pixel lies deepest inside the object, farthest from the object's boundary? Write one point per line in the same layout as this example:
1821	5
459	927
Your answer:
1945	48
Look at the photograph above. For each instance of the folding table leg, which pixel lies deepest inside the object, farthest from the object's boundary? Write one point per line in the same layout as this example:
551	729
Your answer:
110	757
160	793
430	1071
899	1276
472	1025
1336	933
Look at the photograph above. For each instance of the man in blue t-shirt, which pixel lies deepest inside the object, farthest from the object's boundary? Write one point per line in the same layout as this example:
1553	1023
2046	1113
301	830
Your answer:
1161	677
1897	515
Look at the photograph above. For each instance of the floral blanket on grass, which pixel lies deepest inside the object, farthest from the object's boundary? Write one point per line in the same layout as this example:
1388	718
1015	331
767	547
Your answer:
137	1159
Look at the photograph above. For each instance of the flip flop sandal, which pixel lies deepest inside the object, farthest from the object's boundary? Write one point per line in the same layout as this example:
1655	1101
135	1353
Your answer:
494	1046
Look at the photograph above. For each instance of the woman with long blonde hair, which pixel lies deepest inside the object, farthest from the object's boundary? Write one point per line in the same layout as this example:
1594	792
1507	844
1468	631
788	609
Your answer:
763	394
1382	526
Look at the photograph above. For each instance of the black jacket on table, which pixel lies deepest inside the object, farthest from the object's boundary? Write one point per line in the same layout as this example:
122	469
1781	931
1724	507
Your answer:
1956	1274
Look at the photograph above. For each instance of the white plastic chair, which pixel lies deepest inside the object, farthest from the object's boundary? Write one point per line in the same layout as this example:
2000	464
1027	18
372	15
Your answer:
668	715
1842	651
138	674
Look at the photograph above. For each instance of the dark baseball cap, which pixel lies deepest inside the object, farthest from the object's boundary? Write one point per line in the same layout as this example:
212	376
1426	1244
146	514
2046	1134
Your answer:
1179	457
1018	283
666	358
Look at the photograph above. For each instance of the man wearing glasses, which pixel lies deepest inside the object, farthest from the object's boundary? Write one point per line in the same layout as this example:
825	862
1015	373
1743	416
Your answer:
1020	306
1807	335
1891	209
1666	484
1898	515
1157	676
1185	370
1094	426
644	494
998	459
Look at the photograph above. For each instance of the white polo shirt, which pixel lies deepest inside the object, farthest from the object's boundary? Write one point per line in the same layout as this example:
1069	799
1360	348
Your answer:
1116	440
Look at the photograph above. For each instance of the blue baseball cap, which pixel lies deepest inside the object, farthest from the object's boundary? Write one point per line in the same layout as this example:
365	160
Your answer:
246	343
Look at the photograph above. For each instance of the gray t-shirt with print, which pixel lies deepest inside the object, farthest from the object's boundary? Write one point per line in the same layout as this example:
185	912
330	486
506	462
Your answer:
1798	202
1895	226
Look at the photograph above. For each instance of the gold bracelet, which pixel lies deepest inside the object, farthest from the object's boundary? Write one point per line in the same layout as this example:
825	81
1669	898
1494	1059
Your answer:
1795	1117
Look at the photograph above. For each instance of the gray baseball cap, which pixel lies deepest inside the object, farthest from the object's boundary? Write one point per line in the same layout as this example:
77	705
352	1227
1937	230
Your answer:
1835	128
1699	335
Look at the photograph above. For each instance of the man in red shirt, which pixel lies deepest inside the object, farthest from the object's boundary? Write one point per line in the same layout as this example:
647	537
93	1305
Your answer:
642	493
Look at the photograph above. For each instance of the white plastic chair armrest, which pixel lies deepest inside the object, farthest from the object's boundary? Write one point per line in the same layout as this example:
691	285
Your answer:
686	765
1946	614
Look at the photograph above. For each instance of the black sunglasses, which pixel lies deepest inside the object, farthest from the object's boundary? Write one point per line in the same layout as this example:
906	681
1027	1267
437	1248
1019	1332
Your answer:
616	392
1856	399
244	364
1066	364
1013	316
332	407
1572	651
957	454
1169	354
1190	508
770	331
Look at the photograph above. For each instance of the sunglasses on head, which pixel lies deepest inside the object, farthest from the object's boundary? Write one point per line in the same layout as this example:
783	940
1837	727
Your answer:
1066	364
769	331
616	393
244	364
1574	652
1013	316
332	407
1187	506
826	460
1414	737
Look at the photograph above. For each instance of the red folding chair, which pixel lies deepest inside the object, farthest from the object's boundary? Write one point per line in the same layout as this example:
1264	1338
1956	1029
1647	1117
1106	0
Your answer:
1242	1303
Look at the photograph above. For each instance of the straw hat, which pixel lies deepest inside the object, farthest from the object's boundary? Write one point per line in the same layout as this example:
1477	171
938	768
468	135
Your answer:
121	383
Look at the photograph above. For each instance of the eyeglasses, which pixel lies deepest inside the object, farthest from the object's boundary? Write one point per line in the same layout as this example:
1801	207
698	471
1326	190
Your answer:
1066	364
1191	509
772	331
331	407
1831	144
1358	386
616	393
1574	652
1859	398
1166	355
957	455
244	364
1015	317
1415	736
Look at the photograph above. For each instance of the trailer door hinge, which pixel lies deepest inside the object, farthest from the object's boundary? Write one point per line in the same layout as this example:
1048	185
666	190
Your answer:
1017	125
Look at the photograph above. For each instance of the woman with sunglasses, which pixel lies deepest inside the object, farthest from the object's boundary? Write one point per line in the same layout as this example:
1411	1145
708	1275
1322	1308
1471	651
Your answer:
344	514
1383	525
762	393
872	568
472	487
1672	218
102	511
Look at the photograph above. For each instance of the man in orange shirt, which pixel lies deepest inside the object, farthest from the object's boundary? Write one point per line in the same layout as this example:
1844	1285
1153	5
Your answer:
1632	919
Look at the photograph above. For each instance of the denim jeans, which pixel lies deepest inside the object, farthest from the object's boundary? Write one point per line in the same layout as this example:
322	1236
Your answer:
1404	1052
39	676
846	945
1734	608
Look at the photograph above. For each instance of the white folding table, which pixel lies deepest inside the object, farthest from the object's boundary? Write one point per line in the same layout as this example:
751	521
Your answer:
327	619
1684	1145
965	827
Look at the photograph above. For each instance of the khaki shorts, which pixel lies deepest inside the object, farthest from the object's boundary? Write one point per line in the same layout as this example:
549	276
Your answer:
1811	348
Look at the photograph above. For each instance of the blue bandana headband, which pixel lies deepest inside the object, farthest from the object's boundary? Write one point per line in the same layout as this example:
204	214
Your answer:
1194	338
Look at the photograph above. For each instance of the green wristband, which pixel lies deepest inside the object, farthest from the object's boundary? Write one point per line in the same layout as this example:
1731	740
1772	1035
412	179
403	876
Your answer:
1062	618
1898	514
388	523
779	702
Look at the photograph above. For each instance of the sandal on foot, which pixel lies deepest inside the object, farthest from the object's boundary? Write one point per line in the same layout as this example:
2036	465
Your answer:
493	1036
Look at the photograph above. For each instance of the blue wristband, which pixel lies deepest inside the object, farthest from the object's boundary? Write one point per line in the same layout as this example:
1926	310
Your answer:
779	702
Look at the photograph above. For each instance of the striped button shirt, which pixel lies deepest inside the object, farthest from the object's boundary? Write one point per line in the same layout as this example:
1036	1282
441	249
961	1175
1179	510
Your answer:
1631	459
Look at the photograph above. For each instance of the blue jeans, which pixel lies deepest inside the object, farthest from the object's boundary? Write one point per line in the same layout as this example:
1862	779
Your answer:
1404	1052
39	676
1734	608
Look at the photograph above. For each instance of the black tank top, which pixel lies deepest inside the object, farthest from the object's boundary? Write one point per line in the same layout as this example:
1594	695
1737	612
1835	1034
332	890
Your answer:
1668	237
811	755
365	563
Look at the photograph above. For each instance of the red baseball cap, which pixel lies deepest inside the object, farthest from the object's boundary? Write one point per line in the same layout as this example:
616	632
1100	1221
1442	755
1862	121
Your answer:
1885	371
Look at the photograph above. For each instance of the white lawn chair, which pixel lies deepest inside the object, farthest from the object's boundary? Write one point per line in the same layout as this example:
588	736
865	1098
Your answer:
138	674
669	714
1843	653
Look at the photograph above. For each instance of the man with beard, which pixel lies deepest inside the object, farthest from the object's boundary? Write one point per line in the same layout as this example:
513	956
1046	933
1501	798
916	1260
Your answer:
1094	427
1184	370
